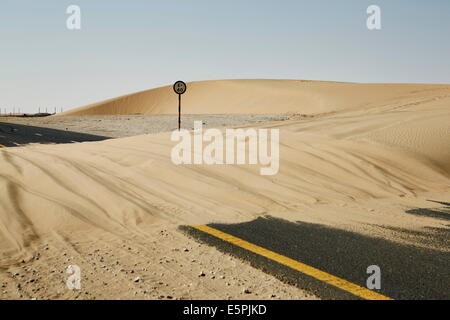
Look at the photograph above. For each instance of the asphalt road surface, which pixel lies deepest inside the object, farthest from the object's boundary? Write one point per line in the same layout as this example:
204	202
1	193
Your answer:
336	257
13	135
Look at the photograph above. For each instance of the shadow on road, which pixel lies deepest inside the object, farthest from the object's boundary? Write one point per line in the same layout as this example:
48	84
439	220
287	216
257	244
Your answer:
407	272
13	135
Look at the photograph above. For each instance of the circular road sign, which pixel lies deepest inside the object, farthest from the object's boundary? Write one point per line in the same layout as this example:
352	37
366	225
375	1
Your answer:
179	87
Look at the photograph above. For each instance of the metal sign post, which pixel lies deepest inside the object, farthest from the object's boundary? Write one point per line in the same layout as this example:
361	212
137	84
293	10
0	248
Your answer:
180	88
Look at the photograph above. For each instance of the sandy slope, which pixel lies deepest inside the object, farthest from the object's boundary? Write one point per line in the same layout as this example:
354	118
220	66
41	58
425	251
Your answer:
257	96
358	167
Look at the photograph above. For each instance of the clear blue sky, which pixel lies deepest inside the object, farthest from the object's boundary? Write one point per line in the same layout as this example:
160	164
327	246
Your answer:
128	46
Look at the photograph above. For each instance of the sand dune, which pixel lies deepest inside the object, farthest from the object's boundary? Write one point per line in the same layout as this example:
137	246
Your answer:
115	184
379	150
258	96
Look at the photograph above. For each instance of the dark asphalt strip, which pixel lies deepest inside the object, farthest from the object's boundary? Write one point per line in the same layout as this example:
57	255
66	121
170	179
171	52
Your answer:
407	272
12	135
281	272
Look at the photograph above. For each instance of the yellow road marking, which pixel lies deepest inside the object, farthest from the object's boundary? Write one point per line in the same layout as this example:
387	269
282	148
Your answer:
293	264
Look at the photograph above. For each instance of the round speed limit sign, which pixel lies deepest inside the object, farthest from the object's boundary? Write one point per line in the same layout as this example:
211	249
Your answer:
179	87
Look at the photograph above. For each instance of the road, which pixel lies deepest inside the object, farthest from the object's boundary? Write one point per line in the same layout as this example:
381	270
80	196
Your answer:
13	135
333	263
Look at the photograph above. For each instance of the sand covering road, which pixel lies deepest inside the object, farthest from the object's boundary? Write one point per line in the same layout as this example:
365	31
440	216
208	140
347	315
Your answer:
366	153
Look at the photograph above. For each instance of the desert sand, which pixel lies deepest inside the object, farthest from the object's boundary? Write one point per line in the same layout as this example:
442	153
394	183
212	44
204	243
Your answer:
119	126
259	97
356	157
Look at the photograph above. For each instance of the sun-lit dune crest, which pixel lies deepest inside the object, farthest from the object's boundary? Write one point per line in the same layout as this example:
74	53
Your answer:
254	96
